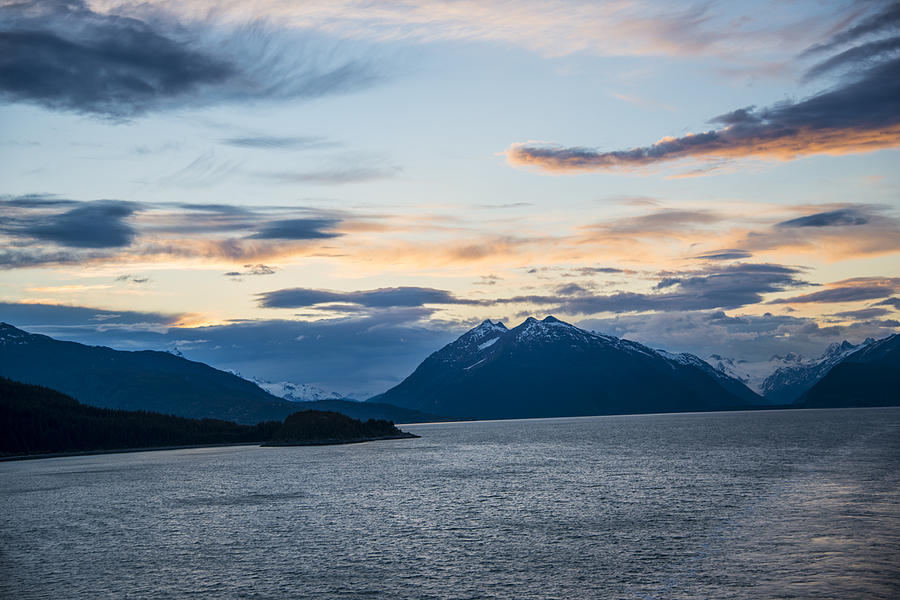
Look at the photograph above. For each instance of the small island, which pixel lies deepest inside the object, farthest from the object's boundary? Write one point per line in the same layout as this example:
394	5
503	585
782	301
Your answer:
319	428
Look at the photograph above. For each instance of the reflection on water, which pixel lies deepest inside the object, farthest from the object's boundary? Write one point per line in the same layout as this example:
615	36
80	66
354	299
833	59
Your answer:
780	504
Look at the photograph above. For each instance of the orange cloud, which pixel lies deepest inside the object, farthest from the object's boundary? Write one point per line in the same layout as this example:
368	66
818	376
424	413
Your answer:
861	116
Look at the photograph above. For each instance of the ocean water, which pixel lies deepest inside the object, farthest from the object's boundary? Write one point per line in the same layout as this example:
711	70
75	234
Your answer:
782	504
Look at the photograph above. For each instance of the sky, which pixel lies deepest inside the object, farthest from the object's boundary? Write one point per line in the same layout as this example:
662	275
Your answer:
326	192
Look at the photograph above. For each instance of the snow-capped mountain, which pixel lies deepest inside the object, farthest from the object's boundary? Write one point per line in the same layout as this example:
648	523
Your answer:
868	376
796	375
735	385
551	368
298	392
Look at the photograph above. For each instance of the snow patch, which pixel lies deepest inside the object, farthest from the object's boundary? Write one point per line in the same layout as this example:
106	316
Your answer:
488	343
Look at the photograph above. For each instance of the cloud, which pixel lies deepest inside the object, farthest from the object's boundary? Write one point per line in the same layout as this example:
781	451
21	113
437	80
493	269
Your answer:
550	27
597	270
64	56
378	298
729	254
278	142
862	314
117	230
489	280
848	290
727	287
36	201
259	269
887	19
132	279
895	302
98	224
854	57
836	234
297	229
834	218
335	176
860	114
61	317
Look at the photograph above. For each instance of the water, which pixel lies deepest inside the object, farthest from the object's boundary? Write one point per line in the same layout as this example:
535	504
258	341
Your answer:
787	504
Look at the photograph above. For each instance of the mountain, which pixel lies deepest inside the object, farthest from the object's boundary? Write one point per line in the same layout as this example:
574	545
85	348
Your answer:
869	376
153	381
551	368
751	374
722	377
789	382
297	392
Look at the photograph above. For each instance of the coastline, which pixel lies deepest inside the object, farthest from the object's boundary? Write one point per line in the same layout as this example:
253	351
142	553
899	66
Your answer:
120	451
334	442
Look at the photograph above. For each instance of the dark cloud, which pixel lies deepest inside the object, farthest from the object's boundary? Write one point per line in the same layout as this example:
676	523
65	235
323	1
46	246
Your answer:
853	57
895	302
259	269
98	224
837	233
862	314
730	254
597	270
571	289
39	317
378	298
278	142
731	286
173	230
849	290
887	19
23	258
297	229
860	114
63	56
132	279
833	218
35	201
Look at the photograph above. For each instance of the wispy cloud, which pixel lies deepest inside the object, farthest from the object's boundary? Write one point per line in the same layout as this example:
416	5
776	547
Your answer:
860	114
335	176
271	142
61	231
297	229
834	218
848	290
66	56
550	27
378	298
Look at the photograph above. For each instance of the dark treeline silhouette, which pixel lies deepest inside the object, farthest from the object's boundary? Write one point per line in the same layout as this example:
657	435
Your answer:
323	426
38	420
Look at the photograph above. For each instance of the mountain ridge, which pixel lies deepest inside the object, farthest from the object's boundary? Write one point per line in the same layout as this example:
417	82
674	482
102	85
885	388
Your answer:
156	381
